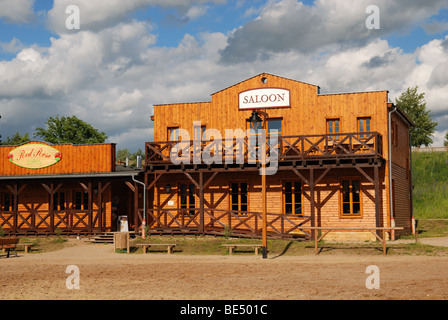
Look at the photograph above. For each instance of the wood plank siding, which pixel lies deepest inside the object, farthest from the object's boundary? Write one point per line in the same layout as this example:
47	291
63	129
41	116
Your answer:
75	159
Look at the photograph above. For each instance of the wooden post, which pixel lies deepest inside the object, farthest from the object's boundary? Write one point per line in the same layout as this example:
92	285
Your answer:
135	207
312	202
264	215
201	202
100	206
377	195
51	207
90	204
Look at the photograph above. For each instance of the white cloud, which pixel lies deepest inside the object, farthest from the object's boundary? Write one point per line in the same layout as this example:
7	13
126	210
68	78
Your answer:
16	11
291	25
112	76
14	46
100	14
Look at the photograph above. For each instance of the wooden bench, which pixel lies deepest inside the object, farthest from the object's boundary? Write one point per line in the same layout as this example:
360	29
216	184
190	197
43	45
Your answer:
8	244
26	247
145	246
231	247
372	230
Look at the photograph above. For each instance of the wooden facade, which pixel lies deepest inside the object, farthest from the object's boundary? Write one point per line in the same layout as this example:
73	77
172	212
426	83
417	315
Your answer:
80	193
337	160
333	168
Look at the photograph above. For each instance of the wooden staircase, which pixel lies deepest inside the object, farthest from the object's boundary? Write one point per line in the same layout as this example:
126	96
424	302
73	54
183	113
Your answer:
106	237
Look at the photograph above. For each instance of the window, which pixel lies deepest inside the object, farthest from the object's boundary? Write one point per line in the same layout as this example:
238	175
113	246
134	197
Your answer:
274	129
187	198
351	198
59	201
274	132
333	126
292	195
364	126
7	201
198	134
173	133
81	200
238	196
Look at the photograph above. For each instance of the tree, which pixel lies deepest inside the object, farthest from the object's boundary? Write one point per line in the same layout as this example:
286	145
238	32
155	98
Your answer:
414	105
16	139
70	130
445	143
122	154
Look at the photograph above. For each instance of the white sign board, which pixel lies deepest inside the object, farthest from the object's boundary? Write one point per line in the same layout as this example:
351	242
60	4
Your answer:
264	98
123	221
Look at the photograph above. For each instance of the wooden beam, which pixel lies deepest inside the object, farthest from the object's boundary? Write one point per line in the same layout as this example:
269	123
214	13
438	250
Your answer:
321	176
201	202
365	174
300	175
192	180
206	184
377	194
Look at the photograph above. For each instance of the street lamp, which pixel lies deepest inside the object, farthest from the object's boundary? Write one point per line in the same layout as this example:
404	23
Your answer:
255	121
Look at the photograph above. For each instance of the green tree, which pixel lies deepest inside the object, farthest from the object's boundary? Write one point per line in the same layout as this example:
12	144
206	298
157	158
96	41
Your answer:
414	105
70	130
445	143
122	154
16	139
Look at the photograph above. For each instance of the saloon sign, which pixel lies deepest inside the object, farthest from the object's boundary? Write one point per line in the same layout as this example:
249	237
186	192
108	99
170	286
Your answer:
264	98
34	156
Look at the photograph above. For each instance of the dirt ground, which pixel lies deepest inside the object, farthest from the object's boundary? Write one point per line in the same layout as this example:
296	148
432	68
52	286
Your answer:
104	274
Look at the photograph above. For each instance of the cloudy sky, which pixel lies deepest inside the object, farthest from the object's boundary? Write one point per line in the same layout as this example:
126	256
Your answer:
127	56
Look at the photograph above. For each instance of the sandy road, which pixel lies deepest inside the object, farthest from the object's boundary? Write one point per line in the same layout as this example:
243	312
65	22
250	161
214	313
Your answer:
108	275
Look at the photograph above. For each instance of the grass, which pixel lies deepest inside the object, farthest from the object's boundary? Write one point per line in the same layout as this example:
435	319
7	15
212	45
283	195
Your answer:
45	244
430	180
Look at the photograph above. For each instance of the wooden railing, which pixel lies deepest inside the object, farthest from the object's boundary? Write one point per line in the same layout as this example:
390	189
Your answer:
228	221
245	150
42	221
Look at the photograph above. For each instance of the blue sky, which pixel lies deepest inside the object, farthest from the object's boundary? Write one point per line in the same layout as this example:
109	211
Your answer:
130	55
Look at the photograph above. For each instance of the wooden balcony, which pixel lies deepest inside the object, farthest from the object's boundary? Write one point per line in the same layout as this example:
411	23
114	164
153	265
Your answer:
286	148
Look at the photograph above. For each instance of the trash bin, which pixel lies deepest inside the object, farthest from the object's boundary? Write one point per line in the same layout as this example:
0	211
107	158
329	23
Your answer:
121	241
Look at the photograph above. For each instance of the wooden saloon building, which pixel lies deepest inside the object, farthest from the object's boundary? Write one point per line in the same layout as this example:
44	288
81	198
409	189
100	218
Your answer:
339	160
331	160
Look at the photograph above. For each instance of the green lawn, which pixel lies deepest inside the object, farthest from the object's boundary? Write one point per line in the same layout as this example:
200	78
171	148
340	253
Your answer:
430	180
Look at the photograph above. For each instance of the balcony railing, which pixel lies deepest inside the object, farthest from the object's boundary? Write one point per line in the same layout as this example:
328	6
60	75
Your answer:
284	148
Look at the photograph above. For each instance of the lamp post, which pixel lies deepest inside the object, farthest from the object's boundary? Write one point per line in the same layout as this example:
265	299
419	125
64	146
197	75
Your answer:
255	121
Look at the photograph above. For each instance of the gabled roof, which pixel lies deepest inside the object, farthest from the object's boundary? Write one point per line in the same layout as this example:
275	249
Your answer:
262	74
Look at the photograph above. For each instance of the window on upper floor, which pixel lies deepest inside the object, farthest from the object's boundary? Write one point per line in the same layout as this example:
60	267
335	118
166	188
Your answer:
173	133
333	126
364	126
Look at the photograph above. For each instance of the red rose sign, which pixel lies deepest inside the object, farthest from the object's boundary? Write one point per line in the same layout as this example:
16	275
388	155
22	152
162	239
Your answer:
34	156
